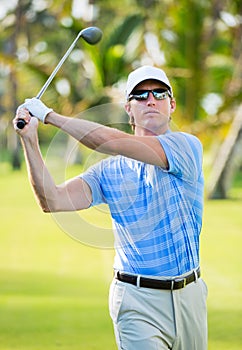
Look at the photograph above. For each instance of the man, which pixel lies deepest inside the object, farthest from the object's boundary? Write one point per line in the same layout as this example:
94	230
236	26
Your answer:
153	184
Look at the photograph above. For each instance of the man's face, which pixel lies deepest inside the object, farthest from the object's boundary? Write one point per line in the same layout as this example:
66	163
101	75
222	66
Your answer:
150	116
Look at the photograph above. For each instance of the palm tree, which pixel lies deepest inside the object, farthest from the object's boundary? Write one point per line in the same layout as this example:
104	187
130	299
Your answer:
199	61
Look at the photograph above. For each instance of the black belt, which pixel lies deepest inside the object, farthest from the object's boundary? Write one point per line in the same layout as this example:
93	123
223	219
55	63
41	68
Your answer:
145	282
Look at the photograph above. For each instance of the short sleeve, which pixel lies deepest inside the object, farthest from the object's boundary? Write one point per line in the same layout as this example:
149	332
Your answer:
184	155
92	177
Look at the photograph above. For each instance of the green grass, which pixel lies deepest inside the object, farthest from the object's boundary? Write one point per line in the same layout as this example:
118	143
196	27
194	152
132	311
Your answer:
221	244
54	290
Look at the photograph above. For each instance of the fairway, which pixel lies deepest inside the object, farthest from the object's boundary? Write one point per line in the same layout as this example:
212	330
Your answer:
54	290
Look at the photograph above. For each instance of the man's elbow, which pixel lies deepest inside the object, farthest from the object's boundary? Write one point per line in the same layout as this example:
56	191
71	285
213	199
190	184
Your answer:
46	210
48	206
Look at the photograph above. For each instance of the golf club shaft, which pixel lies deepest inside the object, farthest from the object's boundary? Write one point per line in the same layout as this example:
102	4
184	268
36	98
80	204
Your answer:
92	35
53	74
21	123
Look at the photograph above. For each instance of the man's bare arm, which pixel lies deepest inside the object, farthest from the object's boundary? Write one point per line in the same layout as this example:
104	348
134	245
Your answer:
111	141
69	196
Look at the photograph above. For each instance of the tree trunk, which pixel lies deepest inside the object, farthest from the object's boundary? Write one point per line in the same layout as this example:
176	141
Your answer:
228	160
13	140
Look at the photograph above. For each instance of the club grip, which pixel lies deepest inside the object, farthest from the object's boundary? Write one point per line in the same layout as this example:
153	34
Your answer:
21	124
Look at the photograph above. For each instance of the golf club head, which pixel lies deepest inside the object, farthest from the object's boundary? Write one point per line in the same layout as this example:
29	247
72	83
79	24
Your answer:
92	35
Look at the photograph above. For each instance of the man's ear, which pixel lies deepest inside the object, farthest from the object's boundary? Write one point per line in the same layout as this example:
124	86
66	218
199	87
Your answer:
130	114
128	108
173	105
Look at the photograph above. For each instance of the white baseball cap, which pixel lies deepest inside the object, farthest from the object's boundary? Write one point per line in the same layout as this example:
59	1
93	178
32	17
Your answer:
144	73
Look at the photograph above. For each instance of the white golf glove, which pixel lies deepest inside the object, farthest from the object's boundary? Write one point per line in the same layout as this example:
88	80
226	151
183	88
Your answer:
37	108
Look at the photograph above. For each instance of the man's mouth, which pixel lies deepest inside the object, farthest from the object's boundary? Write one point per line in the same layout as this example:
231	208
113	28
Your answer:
151	111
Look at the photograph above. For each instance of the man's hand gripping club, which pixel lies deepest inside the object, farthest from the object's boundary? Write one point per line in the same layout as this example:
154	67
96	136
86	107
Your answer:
36	109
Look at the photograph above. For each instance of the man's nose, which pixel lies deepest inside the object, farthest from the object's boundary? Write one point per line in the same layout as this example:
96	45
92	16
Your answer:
151	100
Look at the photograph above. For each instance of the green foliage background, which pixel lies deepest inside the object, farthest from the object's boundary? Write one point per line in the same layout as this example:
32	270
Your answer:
198	43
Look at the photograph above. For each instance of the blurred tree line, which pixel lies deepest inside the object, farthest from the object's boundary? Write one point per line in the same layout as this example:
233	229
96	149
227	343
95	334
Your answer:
197	42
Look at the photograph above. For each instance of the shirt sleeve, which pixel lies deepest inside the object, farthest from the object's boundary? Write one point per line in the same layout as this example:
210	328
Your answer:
184	155
92	177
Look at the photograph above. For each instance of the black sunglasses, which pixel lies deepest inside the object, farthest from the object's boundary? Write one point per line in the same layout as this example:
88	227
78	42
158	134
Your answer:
142	95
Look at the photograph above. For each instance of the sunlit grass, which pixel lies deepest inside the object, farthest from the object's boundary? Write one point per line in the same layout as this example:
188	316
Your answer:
221	263
54	290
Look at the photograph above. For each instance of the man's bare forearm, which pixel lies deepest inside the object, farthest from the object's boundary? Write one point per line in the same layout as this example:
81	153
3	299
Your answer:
40	178
91	134
109	140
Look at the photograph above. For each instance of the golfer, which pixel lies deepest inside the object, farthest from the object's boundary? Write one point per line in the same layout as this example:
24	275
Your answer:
153	184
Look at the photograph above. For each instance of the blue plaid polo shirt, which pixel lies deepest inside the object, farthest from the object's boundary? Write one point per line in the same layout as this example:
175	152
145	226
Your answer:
156	213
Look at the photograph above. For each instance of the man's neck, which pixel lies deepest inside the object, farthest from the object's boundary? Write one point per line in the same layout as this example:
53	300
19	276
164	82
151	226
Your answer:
146	132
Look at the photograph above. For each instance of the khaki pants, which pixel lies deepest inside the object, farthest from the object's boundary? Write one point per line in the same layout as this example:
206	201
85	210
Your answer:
150	319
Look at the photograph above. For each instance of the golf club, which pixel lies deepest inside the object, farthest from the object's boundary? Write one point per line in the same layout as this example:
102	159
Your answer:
92	35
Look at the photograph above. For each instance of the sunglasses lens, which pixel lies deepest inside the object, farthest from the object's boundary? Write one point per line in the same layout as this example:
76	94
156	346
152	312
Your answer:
159	94
141	95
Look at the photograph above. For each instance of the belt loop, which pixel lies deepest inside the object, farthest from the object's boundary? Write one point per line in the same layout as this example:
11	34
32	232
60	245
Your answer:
172	284
196	277
116	273
138	281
